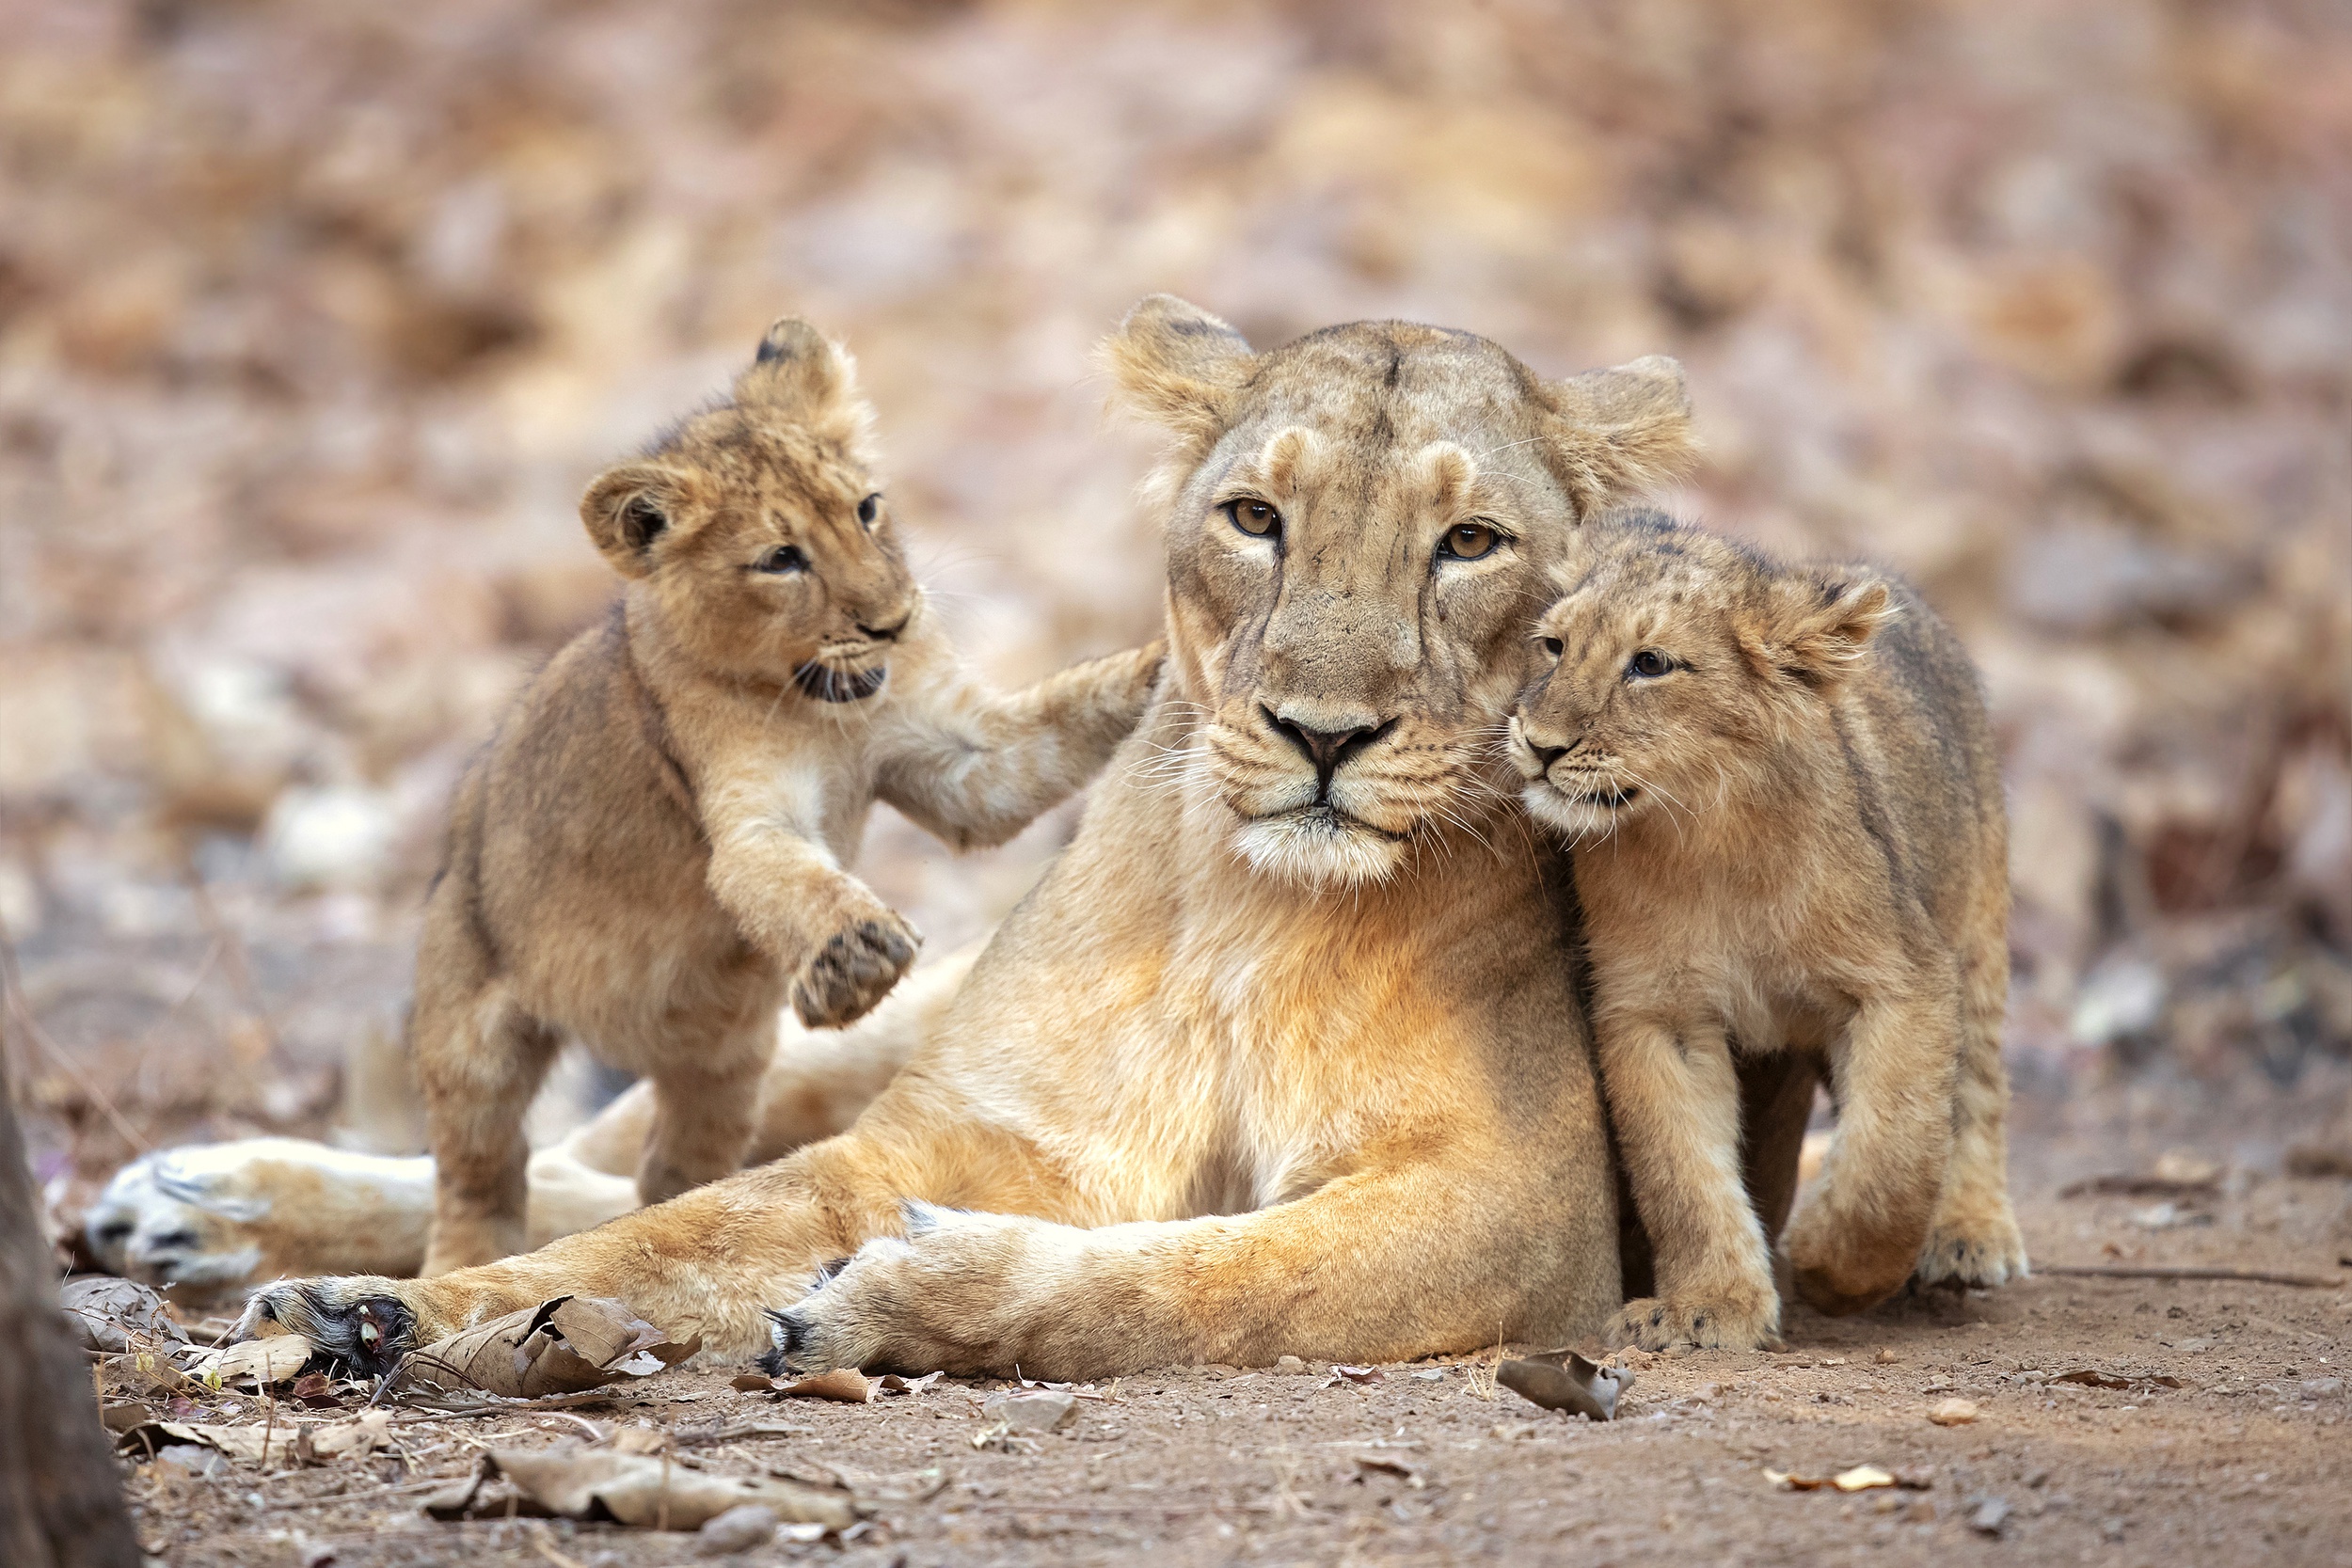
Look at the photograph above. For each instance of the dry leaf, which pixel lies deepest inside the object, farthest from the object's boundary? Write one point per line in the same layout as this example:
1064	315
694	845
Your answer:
846	1384
1047	1410
575	1482
2094	1378
1411	1475
354	1439
277	1359
564	1345
108	1315
1953	1413
1862	1478
1562	1380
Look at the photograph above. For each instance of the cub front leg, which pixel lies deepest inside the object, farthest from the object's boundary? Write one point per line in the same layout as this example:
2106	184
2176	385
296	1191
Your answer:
842	947
1675	1098
859	948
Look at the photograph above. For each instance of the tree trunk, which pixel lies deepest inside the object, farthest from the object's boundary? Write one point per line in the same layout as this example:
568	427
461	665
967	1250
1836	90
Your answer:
60	1501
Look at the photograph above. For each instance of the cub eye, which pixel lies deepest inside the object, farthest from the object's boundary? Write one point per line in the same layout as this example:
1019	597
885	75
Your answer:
1469	541
1255	519
113	1231
1554	646
869	508
1649	664
784	558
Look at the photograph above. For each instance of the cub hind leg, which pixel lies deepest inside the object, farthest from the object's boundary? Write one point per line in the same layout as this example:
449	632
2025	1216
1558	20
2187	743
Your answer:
1858	1233
1973	1239
706	1102
480	1059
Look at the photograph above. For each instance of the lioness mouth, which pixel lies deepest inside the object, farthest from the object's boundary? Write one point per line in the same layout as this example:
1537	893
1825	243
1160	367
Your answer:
840	686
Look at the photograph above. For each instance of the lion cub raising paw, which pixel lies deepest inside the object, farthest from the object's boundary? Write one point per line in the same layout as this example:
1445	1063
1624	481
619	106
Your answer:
649	854
1786	810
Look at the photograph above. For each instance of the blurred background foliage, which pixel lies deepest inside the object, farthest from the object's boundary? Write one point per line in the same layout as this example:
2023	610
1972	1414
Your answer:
314	318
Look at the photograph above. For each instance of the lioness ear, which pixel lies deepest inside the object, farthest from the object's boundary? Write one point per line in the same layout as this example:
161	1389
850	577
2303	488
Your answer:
1824	623
627	509
799	372
1179	364
1618	431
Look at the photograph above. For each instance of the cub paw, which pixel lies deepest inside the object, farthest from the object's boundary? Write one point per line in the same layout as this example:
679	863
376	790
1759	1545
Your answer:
358	1323
1662	1322
1973	1250
1839	1269
853	969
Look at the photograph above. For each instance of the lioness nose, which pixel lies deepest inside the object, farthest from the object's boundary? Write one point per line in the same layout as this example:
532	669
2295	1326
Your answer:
1325	749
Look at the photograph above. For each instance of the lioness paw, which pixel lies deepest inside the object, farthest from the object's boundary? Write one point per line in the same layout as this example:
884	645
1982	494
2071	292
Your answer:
358	1323
1662	1322
948	1298
1979	1250
854	968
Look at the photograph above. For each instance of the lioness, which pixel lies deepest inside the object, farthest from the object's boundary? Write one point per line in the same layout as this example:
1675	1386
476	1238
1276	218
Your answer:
1284	1054
1786	808
649	853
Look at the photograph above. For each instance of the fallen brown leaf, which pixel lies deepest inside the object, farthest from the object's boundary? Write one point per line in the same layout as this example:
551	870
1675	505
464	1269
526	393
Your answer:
564	1345
845	1383
111	1316
1562	1380
575	1482
259	1362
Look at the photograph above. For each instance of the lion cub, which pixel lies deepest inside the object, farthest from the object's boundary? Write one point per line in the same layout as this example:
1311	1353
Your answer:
649	854
1786	813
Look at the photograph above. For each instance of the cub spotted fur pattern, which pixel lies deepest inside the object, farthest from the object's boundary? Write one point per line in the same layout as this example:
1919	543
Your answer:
649	854
1785	809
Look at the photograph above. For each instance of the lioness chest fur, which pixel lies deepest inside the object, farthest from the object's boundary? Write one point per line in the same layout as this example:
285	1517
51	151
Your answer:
1786	812
649	856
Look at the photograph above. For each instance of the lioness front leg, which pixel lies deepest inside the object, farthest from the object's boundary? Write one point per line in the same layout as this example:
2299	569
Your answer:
1676	1096
709	1263
1858	1233
1383	1265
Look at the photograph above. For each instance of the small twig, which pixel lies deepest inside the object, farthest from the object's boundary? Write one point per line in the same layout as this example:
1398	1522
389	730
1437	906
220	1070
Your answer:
543	1542
2161	1271
333	1499
1116	1507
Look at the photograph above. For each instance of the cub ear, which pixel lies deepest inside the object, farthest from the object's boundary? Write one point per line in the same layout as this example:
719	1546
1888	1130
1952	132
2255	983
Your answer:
799	372
1179	364
1618	431
1825	622
627	509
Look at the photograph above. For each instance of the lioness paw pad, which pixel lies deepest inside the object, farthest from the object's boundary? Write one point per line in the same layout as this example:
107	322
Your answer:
356	1324
1655	1323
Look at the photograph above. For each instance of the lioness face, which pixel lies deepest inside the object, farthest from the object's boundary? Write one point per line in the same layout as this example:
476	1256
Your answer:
762	530
1358	527
1674	658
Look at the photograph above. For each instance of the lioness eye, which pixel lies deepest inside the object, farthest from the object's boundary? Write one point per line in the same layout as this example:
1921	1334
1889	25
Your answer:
1554	646
1649	664
868	508
1468	541
1255	519
784	558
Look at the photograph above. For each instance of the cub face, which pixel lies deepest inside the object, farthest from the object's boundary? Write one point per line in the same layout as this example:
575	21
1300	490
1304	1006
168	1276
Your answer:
1672	658
761	531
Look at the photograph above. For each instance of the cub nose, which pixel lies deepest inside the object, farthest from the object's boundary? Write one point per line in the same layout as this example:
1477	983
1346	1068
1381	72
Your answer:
1325	749
1546	755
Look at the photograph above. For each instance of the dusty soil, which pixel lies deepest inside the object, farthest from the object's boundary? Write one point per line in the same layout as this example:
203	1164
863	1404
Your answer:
2246	1461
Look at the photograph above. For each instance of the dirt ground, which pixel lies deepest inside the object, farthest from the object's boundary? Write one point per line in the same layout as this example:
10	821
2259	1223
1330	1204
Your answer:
2246	1461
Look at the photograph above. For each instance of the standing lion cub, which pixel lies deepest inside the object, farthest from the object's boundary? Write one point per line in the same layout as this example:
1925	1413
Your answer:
648	856
1786	810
